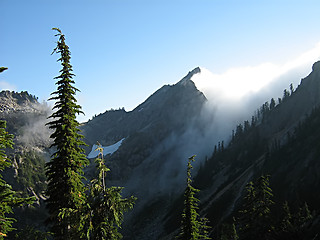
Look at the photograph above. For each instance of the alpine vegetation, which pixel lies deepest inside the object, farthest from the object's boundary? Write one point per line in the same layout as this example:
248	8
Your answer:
105	208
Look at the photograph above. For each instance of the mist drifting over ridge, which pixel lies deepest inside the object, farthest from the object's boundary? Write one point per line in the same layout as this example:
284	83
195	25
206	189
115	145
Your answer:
234	95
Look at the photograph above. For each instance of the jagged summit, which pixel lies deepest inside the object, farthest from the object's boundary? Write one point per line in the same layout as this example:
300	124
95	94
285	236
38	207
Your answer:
316	66
11	101
188	77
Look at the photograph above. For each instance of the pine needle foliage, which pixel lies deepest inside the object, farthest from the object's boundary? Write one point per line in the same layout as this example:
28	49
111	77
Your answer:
3	69
255	215
106	206
8	197
229	232
64	171
192	228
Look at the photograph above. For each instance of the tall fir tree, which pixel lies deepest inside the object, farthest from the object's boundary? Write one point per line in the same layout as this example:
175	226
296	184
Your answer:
105	205
192	228
247	212
64	172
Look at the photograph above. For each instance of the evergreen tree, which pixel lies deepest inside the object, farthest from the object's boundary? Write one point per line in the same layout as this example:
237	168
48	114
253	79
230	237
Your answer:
246	125
105	206
247	211
229	232
291	89
253	121
239	131
286	94
255	219
30	233
8	197
64	171
263	204
294	226
304	215
287	220
286	228
191	227
272	103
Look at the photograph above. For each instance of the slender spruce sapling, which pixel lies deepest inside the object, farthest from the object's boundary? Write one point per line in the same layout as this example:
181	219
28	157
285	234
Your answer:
106	206
192	227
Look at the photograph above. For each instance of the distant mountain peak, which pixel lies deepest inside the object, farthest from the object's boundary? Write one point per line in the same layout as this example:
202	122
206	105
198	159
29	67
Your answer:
316	66
11	101
190	74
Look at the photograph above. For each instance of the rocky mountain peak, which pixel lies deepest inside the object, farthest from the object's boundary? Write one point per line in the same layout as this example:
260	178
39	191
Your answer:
188	77
316	66
11	101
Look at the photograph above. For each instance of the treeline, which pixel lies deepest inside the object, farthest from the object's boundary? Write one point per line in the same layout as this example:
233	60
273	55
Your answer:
260	115
122	109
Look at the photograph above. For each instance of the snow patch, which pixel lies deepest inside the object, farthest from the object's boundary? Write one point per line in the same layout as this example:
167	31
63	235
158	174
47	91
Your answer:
106	150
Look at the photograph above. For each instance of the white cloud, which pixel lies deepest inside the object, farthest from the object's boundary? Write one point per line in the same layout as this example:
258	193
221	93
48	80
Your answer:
236	82
239	82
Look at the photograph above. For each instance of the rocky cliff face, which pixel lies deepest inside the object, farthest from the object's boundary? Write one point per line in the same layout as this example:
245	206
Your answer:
11	101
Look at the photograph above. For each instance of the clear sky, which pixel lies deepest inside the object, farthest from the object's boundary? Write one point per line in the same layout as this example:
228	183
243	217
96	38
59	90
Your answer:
124	50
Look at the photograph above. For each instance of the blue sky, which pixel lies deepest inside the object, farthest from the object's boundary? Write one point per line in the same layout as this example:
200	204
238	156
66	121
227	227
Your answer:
124	50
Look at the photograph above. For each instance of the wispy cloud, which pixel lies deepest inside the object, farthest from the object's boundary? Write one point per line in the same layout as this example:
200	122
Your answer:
7	86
